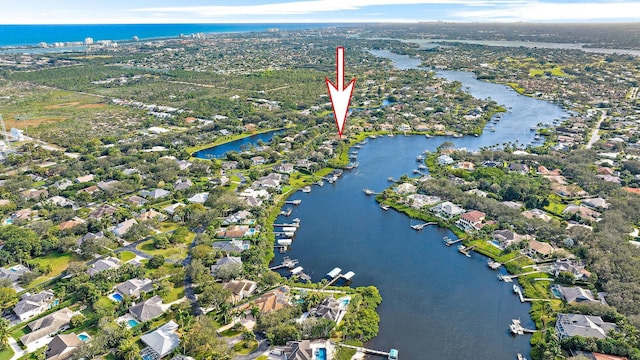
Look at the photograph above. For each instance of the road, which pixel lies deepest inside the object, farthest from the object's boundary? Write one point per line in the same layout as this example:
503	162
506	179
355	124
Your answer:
595	136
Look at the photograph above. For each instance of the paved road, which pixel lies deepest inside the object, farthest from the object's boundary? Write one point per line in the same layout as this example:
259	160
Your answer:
594	135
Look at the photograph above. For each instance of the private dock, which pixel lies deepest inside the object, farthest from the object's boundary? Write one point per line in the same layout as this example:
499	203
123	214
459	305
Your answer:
286	263
465	250
293	202
509	278
369	192
493	265
448	241
390	179
516	328
335	275
295	224
391	355
287	212
297	271
421	226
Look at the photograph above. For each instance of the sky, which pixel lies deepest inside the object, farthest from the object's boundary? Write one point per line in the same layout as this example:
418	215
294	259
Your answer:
317	11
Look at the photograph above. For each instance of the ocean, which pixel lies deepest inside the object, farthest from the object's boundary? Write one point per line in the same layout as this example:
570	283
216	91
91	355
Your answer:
30	35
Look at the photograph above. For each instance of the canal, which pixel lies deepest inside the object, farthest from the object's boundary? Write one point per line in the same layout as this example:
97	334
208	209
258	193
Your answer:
437	304
241	144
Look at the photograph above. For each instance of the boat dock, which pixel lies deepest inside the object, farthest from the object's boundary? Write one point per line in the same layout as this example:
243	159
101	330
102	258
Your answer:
297	271
369	192
421	226
335	275
293	202
287	212
493	265
448	241
465	250
509	278
516	328
392	354
286	263
295	224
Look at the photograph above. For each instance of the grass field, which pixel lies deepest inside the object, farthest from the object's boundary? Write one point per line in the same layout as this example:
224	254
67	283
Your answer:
6	354
174	253
127	255
58	262
175	294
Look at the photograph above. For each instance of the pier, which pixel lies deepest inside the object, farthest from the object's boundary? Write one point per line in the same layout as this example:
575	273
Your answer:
465	250
335	275
509	278
369	192
297	271
421	226
392	354
287	212
286	263
448	241
516	328
295	224
293	202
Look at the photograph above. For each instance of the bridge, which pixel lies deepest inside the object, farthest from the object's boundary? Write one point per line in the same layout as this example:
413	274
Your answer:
392	354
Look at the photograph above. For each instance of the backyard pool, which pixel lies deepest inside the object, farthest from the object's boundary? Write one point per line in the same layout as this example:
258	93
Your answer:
322	354
117	297
84	337
132	323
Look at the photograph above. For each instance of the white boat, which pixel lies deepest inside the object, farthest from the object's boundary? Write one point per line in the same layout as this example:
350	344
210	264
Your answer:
492	129
390	134
306	189
284	242
384	207
457	135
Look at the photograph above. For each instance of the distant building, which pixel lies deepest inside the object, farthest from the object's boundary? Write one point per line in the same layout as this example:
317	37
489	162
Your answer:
88	41
17	135
62	346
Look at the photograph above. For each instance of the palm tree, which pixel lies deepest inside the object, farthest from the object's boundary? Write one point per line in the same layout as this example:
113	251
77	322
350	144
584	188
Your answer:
128	350
255	312
4	333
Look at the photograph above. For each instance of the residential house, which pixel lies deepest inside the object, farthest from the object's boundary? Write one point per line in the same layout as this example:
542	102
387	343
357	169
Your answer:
182	184
33	193
47	325
240	289
406	188
444	160
466	165
171	209
102	265
150	215
31	305
13	273
163	340
418	201
285	168
90	236
233	232
471	220
583	212
226	261
503	238
59	201
154	194
519	168
107	185
568	325
539	248
257	160
299	350
568	190
62	346
90	190
136	200
148	309
566	265
587	355
240	217
229	165
537	214
70	224
477	192
199	198
574	294
135	287
85	178
121	229
23	214
102	211
273	300
232	246
447	210
63	184
596	203
329	309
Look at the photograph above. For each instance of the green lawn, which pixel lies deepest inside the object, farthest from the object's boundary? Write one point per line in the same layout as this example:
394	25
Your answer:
245	347
175	294
127	255
231	333
167	226
177	252
6	354
58	262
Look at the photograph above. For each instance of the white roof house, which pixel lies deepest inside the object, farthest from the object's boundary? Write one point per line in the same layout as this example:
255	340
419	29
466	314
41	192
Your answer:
445	160
122	228
162	340
447	209
199	198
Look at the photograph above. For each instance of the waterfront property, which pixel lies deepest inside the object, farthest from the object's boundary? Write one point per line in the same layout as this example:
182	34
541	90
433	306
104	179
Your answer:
582	325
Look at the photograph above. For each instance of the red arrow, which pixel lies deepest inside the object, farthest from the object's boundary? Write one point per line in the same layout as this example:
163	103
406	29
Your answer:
340	96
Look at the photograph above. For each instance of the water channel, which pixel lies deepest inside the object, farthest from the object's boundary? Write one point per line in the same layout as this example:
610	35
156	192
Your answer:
437	304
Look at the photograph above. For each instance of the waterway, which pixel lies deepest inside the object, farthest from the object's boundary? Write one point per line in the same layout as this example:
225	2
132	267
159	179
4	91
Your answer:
236	145
437	304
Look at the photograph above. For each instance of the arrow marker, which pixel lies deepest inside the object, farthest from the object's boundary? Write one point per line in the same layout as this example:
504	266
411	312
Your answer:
340	96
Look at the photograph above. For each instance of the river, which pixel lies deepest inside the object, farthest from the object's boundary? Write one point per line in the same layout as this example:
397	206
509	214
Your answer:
437	304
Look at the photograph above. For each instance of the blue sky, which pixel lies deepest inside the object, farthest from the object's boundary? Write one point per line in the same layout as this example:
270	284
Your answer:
322	11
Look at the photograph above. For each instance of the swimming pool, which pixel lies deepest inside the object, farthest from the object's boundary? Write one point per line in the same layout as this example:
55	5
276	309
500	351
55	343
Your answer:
84	337
345	302
132	323
117	297
556	292
322	354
